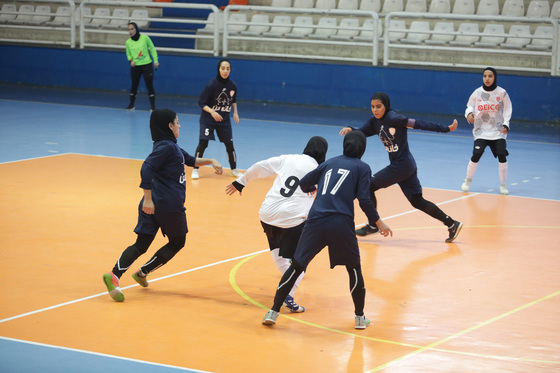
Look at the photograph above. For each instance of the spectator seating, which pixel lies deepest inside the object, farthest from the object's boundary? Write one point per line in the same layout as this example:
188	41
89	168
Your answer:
259	23
303	26
324	33
280	26
463	7
514	8
120	22
325	4
137	16
440	6
8	13
98	22
444	34
61	17
25	13
464	40
492	36
538	8
370	5
541	44
418	6
516	42
416	33
347	5
41	16
348	28
488	8
232	28
392	6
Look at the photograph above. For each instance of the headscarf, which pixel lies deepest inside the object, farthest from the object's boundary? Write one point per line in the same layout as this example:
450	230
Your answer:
316	148
382	96
219	77
136	36
159	124
495	84
354	144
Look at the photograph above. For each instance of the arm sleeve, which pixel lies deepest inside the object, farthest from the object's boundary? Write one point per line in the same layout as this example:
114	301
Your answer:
152	49
470	104
151	164
261	170
368	128
427	126
189	159
308	182
128	54
363	196
204	98
507	109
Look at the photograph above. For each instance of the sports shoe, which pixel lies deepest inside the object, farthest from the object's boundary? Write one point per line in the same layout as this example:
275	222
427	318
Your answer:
292	305
504	190
140	278
112	283
130	107
466	185
366	230
270	318
361	322
195	175
235	173
454	231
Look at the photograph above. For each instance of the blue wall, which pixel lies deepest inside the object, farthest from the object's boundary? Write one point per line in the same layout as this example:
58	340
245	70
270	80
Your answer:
411	90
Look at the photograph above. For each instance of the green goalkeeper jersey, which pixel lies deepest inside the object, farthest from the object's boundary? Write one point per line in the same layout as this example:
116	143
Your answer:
139	51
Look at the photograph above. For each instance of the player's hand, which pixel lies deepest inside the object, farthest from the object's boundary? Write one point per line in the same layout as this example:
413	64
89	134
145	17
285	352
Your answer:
454	125
470	118
230	189
217	166
384	228
148	207
504	130
344	131
236	118
217	117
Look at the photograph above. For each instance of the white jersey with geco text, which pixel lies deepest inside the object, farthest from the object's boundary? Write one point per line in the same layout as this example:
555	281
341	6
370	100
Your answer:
492	110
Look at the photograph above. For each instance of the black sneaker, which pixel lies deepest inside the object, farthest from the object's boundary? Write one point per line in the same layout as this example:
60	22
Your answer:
367	230
130	107
454	231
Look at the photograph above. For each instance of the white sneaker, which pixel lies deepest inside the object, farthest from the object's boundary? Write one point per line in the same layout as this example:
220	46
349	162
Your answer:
235	173
504	190
195	175
466	185
361	322
270	318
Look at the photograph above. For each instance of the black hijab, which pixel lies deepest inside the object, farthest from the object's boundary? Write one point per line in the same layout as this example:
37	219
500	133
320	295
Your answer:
495	84
382	96
316	148
219	77
159	124
354	144
136	36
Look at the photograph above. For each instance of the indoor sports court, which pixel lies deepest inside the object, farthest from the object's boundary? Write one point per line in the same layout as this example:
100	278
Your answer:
70	163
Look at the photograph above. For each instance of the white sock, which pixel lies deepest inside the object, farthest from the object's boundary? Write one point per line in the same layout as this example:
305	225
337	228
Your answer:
503	169
471	169
283	264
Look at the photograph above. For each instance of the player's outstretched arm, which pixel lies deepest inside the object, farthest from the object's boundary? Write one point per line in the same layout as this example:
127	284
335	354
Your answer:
344	131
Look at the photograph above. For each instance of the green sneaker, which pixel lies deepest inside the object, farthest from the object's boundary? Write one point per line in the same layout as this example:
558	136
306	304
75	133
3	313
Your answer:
112	283
140	279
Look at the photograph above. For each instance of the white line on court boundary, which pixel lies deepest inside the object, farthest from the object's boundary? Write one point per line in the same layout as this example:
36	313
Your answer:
101	354
128	287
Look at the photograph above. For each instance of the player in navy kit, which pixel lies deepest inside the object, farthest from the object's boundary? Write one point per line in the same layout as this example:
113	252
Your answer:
217	100
338	181
392	131
163	204
286	206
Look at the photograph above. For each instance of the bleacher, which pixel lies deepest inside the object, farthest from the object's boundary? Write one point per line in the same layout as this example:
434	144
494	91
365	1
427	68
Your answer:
517	35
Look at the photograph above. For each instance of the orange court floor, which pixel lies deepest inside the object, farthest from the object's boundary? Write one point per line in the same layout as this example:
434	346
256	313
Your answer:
488	302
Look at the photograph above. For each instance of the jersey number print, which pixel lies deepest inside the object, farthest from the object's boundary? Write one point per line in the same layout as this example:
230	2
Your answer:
328	174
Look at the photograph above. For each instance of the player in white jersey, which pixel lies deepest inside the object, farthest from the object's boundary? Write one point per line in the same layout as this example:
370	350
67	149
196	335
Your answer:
285	207
489	110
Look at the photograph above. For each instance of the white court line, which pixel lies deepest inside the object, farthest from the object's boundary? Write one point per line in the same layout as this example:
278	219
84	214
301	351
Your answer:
127	287
101	354
437	204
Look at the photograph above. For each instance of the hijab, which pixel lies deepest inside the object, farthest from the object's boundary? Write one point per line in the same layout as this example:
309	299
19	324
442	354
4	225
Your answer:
354	144
219	77
159	124
495	84
316	148
382	96
136	36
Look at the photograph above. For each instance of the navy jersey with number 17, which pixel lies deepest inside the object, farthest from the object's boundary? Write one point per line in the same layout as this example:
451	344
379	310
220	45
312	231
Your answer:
339	181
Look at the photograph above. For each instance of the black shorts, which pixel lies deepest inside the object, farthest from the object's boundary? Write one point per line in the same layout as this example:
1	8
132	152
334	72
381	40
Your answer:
286	239
336	231
224	131
172	224
498	147
405	175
